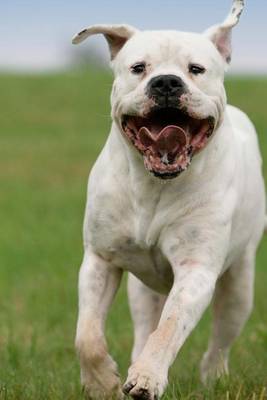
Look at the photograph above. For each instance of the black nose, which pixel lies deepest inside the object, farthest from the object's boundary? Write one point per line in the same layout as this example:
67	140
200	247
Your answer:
166	85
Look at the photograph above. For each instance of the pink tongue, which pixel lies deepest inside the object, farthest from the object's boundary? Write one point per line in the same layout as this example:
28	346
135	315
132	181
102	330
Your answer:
170	140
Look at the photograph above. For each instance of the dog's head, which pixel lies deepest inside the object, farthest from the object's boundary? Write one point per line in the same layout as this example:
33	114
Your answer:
168	96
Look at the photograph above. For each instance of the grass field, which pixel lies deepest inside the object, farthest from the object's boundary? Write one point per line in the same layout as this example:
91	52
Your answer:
51	130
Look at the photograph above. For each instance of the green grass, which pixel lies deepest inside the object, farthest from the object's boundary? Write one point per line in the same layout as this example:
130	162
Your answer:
52	128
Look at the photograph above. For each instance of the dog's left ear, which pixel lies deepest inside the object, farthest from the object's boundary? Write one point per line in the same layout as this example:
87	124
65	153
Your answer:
116	35
220	34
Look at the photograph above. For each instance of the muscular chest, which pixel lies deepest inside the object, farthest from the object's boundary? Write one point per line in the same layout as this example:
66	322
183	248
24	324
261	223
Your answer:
130	243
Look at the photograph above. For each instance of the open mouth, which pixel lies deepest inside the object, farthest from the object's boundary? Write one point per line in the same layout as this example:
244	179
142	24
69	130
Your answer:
167	138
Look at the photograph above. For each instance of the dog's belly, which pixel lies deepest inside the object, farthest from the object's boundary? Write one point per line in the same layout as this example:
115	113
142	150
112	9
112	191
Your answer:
149	265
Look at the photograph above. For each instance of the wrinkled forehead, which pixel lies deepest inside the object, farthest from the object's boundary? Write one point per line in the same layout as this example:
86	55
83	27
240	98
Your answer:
168	48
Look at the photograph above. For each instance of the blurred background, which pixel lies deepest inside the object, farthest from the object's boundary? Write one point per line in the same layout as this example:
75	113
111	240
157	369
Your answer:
36	35
54	121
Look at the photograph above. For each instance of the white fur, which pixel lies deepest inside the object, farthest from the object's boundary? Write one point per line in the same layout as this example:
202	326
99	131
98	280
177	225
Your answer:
183	241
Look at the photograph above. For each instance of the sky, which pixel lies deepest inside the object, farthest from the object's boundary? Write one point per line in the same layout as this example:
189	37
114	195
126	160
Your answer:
35	35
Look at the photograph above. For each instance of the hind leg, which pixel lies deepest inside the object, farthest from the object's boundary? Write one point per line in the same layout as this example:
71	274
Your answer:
146	307
233	301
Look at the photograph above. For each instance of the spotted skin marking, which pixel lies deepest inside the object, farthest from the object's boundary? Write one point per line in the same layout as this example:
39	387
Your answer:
189	263
82	32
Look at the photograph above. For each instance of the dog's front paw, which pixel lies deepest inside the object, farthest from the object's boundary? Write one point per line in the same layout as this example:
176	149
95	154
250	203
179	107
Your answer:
101	380
94	390
143	383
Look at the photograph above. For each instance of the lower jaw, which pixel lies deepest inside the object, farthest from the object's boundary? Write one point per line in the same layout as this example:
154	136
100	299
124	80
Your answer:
166	174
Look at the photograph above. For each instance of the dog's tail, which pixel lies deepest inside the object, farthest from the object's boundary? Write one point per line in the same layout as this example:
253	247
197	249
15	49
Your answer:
265	226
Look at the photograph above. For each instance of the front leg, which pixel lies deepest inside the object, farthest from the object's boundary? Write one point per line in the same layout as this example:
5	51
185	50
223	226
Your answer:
98	283
191	293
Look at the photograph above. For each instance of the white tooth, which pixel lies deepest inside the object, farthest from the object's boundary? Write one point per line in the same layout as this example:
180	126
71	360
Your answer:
164	159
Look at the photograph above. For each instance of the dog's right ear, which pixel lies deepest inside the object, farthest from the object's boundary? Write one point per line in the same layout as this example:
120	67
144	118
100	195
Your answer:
116	36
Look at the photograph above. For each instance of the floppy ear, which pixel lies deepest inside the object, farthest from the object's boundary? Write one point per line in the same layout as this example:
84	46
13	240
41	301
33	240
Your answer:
220	34
116	35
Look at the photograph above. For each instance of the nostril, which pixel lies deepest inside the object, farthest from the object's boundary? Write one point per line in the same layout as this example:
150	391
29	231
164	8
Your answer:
174	83
159	83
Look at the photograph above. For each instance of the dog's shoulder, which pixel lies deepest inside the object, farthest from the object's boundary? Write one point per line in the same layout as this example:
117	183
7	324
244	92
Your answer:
244	133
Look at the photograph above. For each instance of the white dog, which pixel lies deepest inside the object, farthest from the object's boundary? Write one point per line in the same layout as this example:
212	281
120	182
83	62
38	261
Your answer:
183	241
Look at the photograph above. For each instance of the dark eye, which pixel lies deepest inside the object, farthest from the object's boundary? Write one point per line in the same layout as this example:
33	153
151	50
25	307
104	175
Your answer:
196	69
138	68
